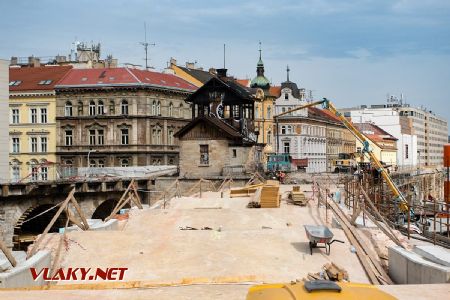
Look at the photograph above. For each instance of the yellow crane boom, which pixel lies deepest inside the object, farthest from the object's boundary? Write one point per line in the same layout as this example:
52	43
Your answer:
326	104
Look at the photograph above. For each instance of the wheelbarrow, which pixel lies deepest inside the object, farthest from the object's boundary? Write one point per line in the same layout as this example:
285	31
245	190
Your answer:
320	235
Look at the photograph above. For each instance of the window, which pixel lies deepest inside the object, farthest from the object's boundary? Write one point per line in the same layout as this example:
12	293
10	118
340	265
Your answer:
15	145
15	82
33	112
170	137
43	144
158	108
283	129
34	144
154	108
92	163
156	136
43	115
100	137
283	109
236	111
101	163
80	108
124	163
124	107
92	108
286	96
34	171
45	82
100	108
44	173
269	137
181	111
286	147
15	172
170	109
406	151
68	109
92	137
124	136
15	116
204	154
234	153
68	137
289	129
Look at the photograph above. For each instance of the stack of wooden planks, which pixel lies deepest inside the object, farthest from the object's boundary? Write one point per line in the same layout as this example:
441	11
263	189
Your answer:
270	197
330	271
297	196
244	191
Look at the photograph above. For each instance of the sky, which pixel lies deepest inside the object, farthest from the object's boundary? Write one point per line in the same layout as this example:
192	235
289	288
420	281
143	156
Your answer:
350	51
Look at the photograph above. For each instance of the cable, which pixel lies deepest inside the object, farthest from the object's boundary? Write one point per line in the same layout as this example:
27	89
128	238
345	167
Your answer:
45	211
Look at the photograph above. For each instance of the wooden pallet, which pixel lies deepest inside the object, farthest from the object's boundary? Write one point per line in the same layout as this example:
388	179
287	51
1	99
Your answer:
270	197
299	198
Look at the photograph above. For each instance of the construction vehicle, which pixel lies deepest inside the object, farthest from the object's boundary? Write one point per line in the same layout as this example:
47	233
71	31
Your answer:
343	164
279	162
320	289
326	104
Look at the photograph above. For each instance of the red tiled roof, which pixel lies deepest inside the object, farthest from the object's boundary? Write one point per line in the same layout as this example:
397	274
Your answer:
275	91
122	76
374	133
31	77
244	82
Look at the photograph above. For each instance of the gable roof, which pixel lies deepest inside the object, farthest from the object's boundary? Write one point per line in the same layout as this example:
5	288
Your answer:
122	77
228	130
231	84
36	78
200	75
376	134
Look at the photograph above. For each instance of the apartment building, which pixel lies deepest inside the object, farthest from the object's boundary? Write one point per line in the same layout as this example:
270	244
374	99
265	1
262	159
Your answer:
4	95
32	123
120	117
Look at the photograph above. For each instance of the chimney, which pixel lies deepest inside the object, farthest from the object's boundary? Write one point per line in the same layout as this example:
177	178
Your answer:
60	59
14	60
222	73
190	65
212	71
34	62
173	61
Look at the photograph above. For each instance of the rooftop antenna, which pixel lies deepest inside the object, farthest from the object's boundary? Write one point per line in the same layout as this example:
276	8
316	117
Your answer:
259	50
146	44
224	56
287	71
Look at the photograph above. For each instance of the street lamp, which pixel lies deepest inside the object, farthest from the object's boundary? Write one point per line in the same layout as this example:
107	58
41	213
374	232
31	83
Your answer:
88	162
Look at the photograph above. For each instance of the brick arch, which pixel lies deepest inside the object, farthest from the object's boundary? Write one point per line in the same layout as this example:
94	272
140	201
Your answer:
104	209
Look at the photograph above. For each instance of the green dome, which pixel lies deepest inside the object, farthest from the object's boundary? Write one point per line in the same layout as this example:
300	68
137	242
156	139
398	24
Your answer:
260	82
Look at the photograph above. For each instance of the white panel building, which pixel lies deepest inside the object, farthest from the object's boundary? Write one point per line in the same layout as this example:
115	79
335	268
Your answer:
4	121
390	121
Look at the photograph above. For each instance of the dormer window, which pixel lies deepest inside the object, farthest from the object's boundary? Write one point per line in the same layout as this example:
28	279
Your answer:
15	82
45	82
286	96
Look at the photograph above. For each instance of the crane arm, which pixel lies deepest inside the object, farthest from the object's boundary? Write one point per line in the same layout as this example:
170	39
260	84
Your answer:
326	104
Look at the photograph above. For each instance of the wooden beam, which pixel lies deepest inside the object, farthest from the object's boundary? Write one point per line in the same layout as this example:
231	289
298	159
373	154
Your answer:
8	253
80	212
55	217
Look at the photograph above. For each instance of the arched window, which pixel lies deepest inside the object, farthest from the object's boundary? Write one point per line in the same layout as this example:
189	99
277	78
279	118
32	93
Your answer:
15	170
34	169
125	162
156	135
181	111
154	108
100	107
170	109
124	107
80	108
43	174
269	112
68	109
158	108
101	163
92	108
269	137
92	163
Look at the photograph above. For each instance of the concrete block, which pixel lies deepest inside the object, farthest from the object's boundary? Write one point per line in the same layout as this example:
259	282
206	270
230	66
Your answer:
398	266
20	257
434	253
112	224
20	276
406	267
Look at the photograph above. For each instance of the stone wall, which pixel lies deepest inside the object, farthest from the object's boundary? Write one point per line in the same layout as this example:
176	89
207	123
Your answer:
219	156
